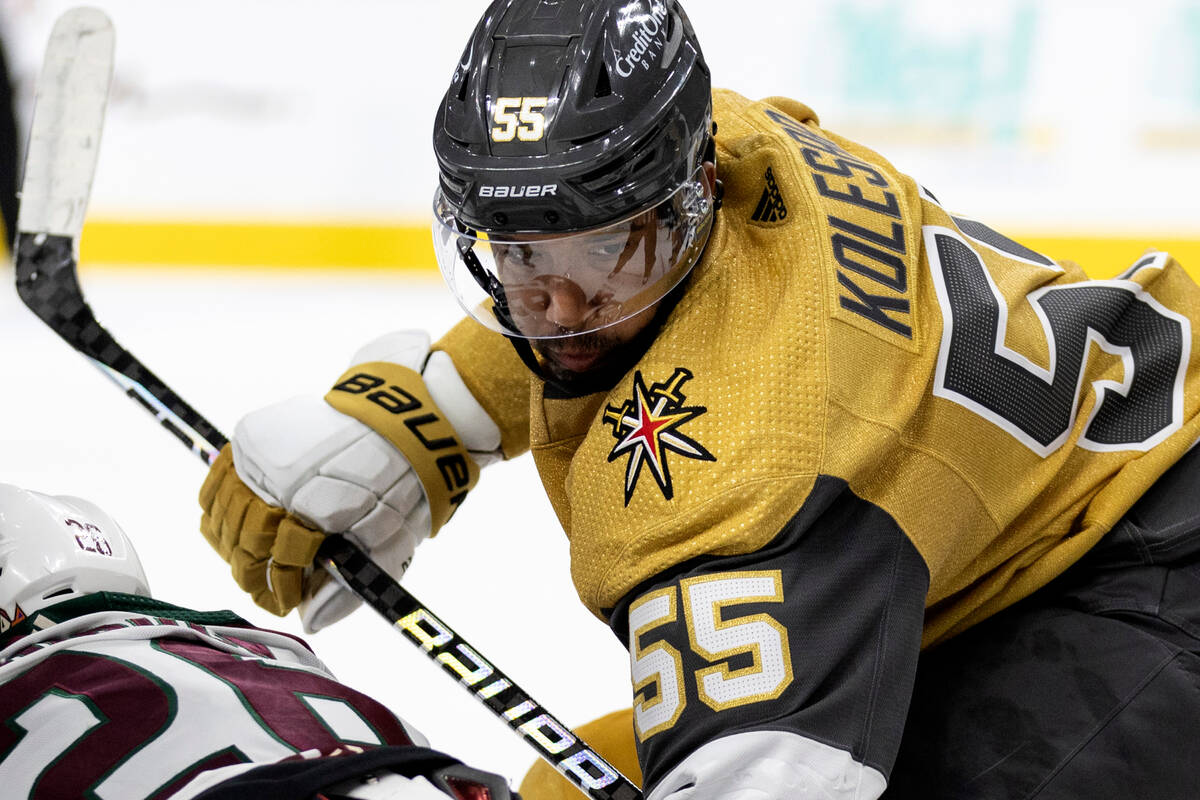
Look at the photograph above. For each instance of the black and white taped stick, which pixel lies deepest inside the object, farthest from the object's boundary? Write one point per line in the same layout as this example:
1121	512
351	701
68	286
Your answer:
60	164
68	119
554	742
48	285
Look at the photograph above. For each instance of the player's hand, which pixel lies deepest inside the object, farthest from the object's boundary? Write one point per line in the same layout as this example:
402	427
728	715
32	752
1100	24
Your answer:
385	458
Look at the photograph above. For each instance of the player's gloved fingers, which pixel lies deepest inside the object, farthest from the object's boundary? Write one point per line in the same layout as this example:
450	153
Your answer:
295	545
216	474
266	599
286	583
260	526
249	571
240	502
210	527
227	514
214	497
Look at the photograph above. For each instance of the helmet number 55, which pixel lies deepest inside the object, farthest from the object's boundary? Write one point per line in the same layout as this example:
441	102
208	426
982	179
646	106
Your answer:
519	118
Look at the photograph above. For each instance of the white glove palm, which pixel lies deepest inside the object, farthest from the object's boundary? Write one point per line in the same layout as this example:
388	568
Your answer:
338	475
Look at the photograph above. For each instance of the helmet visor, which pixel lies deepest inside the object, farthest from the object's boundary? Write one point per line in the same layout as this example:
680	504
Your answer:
551	286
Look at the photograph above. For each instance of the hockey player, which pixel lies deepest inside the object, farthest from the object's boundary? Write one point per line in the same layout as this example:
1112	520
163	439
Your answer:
880	500
106	692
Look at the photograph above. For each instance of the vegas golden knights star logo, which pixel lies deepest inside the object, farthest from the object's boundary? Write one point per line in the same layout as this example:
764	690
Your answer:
770	206
647	426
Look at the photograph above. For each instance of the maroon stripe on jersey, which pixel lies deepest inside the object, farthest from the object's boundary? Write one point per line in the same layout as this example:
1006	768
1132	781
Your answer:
272	693
258	648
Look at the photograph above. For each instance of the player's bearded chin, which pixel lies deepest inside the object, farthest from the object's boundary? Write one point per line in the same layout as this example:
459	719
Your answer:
583	352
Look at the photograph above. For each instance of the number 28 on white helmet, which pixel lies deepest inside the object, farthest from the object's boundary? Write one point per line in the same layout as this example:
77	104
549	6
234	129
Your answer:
55	548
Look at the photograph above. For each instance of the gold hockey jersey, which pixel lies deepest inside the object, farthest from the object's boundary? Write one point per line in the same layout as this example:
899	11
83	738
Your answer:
1003	409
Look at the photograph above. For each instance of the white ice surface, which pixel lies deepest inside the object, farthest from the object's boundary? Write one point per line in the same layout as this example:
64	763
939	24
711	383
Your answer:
229	342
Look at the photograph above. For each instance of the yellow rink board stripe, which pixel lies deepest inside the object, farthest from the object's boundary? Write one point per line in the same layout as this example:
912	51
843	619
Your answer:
409	246
284	244
1103	256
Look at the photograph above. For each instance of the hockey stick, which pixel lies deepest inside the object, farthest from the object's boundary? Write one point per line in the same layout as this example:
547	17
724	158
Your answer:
64	145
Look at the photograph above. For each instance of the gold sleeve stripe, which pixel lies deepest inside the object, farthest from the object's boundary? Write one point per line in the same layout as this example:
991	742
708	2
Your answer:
393	401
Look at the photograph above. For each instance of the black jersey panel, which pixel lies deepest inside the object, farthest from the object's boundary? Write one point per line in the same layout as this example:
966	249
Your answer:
817	634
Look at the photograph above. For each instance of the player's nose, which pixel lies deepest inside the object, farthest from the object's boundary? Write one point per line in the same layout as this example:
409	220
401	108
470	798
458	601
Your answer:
568	307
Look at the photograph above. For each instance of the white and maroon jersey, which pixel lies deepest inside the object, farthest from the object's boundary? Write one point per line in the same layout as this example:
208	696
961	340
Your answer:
114	696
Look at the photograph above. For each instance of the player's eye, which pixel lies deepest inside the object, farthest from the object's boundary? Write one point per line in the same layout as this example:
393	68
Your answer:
515	255
608	249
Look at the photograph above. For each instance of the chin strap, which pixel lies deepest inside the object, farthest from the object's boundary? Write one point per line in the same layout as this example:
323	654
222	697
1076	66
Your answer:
521	345
710	154
495	290
486	280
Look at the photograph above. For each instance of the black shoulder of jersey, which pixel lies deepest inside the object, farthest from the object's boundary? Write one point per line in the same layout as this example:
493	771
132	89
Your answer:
843	589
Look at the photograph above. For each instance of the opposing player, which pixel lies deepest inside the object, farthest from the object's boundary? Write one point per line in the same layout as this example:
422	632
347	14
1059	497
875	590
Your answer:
106	692
880	500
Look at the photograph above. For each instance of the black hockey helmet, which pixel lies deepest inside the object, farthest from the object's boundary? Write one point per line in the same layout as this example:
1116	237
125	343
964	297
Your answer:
567	114
567	118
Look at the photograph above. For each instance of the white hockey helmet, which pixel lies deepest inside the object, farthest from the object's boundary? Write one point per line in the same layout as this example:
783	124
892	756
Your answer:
57	548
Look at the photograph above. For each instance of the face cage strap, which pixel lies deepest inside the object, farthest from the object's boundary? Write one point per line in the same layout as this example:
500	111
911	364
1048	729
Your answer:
495	290
710	154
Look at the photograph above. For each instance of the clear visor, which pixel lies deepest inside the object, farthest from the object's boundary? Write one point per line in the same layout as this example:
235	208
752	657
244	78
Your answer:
547	287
